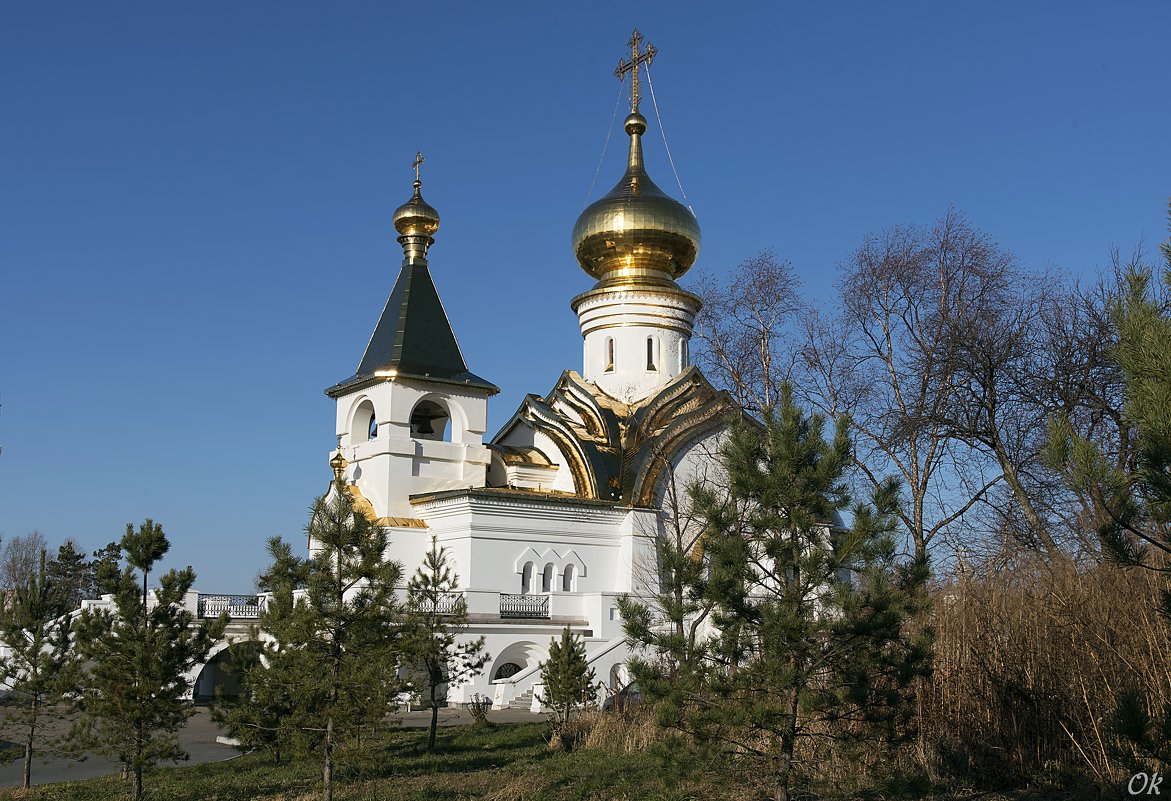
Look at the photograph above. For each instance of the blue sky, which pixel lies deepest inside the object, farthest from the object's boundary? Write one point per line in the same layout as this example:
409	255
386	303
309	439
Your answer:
195	203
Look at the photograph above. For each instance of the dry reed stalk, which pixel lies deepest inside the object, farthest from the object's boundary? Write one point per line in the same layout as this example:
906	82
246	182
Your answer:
1030	657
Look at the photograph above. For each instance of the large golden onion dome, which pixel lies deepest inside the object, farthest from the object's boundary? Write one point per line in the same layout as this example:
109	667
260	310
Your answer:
636	233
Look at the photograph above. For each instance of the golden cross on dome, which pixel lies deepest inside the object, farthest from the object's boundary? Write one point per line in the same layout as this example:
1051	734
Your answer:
631	66
418	162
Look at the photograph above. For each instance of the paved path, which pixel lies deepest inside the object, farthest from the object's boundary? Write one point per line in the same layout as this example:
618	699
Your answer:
199	738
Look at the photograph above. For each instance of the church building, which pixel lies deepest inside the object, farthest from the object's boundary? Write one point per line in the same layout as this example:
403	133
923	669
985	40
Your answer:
553	517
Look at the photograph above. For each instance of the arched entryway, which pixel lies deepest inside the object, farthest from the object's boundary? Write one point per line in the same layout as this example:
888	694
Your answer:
222	673
515	658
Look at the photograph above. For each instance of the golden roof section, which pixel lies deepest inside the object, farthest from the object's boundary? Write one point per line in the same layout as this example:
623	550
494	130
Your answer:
366	509
616	451
400	522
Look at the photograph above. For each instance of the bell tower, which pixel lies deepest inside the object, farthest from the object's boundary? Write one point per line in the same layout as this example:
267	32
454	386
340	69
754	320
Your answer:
412	418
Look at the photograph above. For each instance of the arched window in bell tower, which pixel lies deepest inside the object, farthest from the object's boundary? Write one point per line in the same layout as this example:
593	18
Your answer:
650	353
365	425
609	354
429	421
683	355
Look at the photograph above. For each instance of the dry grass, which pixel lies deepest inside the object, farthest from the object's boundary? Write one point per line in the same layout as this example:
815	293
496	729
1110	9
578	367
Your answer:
628	731
1030	661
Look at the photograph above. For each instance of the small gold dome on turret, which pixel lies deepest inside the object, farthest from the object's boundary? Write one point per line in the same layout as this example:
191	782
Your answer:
416	217
338	464
416	221
636	233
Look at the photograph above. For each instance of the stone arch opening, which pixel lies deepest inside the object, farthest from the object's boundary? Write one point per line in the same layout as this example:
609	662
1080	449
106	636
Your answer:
364	423
438	418
222	674
515	658
430	421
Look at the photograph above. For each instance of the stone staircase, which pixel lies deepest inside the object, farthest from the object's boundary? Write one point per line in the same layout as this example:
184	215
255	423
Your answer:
523	701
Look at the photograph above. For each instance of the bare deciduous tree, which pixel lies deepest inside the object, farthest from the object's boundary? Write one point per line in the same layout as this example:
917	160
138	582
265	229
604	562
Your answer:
20	559
998	406
1082	385
950	359
886	359
744	330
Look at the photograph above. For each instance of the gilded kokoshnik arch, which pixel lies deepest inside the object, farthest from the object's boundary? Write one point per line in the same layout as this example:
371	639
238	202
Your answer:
616	451
552	519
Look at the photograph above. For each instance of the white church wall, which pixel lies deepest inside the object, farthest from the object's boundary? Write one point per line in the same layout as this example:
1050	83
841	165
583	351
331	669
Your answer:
635	340
563	482
631	379
502	530
408	546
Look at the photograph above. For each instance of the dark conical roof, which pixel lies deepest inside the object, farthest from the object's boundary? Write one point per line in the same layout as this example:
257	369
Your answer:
413	337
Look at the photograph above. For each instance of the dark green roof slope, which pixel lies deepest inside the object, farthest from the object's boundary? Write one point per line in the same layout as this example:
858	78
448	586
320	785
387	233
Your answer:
414	336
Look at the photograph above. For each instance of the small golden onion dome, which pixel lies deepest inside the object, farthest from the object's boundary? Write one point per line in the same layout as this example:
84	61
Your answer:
636	233
338	464
416	217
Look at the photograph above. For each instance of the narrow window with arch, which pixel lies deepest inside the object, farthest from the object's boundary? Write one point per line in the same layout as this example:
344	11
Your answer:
683	354
609	354
547	578
651	344
365	423
567	578
526	579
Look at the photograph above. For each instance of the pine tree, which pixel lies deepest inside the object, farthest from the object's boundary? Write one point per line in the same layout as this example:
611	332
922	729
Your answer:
270	713
433	650
70	571
41	670
810	618
1134	501
666	622
103	559
330	643
135	697
569	683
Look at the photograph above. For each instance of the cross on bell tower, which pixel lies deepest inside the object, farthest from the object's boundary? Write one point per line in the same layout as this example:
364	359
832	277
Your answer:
631	66
417	163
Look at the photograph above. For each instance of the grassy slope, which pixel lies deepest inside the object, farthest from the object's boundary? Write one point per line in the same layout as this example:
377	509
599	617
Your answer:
506	763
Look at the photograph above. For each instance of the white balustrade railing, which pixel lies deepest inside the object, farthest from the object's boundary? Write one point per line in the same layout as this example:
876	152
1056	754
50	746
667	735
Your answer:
524	606
237	606
447	603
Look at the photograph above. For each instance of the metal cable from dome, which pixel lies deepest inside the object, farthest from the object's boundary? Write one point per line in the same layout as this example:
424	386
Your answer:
663	132
609	133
